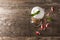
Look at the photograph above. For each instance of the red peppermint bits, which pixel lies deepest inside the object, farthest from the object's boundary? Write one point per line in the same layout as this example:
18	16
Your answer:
47	25
37	33
52	9
42	27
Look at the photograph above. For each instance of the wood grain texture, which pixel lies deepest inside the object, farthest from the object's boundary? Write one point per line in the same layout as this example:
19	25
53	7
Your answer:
18	14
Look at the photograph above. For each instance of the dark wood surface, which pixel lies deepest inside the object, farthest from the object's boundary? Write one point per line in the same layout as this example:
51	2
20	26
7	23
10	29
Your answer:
17	22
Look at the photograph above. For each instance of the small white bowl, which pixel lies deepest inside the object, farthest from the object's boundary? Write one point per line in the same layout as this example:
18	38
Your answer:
40	15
